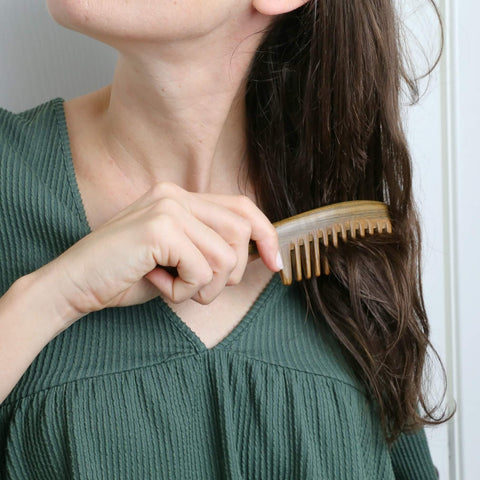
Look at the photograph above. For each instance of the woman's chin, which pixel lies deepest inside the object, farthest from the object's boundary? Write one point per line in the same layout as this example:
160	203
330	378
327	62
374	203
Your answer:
69	13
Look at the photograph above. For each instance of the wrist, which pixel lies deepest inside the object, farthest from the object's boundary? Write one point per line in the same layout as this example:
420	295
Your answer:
43	295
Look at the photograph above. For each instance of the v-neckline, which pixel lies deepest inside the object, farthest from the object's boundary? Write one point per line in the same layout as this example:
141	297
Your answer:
247	320
158	302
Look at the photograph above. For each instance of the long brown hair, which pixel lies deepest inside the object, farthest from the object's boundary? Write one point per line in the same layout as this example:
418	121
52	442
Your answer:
323	126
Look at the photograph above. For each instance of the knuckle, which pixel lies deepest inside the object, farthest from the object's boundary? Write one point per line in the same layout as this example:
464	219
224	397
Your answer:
205	277
273	234
176	299
229	259
166	205
270	234
235	278
158	190
160	224
224	259
166	208
244	203
244	229
203	298
165	189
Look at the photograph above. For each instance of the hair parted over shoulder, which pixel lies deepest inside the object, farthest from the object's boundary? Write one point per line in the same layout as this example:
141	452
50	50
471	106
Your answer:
323	126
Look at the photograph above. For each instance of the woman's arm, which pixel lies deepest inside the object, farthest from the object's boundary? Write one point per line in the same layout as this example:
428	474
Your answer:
411	458
32	312
205	236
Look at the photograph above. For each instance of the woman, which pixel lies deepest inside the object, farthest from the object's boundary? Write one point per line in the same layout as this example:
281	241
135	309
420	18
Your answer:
221	118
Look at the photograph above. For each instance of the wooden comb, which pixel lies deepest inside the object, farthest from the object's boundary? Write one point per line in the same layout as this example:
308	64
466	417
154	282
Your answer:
300	236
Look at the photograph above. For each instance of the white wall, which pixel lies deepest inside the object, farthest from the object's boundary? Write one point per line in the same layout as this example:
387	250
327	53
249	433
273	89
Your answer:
40	60
424	129
444	132
464	108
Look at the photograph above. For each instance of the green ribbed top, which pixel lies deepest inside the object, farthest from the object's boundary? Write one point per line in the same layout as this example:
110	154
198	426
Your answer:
133	393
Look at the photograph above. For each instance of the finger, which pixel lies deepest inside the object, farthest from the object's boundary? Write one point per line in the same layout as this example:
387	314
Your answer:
232	228
194	272
210	292
262	230
221	252
241	250
237	274
199	240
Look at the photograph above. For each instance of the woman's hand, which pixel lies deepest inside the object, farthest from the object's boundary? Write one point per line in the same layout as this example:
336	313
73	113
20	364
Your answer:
205	236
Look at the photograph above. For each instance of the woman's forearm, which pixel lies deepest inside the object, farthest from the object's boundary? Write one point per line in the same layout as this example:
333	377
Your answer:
32	312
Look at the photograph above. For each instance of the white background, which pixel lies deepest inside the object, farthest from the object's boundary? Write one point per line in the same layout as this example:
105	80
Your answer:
40	60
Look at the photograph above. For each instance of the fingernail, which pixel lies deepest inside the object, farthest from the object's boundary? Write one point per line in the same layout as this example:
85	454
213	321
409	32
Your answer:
279	261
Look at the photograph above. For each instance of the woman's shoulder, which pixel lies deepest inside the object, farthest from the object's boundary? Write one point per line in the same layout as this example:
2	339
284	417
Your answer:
20	132
287	336
30	148
35	193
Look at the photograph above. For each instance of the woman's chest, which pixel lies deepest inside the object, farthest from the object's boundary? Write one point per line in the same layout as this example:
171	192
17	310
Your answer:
213	322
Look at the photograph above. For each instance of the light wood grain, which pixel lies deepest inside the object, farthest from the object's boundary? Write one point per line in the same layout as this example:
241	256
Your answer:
300	236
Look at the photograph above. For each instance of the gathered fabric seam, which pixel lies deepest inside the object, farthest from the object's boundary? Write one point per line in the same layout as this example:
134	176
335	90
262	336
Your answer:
174	358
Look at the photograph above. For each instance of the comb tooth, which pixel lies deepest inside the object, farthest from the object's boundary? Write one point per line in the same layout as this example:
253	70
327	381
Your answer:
326	266
325	237
307	261
335	235
316	254
298	262
361	226
286	272
384	225
389	225
306	257
353	230
371	227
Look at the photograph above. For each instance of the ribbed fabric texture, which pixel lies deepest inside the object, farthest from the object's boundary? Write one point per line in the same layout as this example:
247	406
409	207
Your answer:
132	393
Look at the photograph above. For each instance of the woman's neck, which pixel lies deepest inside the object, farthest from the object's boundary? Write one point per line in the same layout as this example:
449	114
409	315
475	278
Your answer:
180	116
